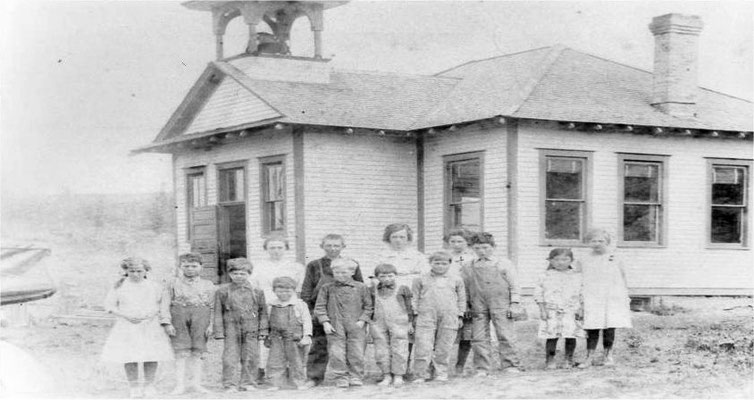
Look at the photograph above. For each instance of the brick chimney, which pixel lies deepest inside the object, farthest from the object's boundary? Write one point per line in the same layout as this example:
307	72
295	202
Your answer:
674	86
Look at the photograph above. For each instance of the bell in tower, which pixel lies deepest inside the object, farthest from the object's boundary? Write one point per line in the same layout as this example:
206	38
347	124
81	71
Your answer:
278	15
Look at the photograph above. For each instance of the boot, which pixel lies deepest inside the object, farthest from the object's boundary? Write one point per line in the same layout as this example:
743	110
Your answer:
196	375
588	360
180	377
609	362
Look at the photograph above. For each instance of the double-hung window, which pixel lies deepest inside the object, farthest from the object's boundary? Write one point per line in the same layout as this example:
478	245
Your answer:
463	191
642	196
728	203
272	186
564	183
196	193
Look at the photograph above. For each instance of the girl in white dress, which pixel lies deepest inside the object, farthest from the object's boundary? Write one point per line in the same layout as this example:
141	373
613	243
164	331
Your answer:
605	294
137	336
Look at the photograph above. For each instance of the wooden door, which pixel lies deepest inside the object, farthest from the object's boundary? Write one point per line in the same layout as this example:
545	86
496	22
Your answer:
204	240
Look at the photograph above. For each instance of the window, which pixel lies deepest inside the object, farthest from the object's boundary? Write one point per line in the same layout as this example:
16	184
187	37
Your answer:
641	185
231	184
273	194
463	191
564	182
729	202
196	193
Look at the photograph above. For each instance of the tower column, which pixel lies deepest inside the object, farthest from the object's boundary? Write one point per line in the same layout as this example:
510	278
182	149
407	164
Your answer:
218	46
317	43
253	44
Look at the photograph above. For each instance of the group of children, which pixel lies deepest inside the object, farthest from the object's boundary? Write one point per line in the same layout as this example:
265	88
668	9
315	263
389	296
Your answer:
413	307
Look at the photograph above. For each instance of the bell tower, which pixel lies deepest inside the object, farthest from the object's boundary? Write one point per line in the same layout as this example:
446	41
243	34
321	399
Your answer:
278	15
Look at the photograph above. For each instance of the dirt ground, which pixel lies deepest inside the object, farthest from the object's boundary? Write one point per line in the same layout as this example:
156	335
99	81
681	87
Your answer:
700	348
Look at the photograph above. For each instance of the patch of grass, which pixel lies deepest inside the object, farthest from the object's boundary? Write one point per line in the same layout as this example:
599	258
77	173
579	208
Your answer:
730	342
661	309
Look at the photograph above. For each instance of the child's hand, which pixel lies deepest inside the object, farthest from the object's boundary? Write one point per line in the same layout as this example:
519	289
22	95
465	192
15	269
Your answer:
170	330
208	332
460	322
305	341
360	324
328	328
267	342
467	315
410	329
579	315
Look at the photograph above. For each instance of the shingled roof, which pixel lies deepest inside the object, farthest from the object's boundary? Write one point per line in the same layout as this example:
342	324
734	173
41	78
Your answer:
552	83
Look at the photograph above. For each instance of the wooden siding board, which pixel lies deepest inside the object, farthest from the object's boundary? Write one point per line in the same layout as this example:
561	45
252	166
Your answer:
684	264
355	186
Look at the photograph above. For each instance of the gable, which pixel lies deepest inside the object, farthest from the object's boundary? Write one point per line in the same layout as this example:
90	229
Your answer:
229	105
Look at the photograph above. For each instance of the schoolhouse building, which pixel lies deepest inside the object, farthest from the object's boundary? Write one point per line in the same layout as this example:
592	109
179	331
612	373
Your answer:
534	147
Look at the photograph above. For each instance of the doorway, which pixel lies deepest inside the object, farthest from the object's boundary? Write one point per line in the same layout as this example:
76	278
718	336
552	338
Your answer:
231	221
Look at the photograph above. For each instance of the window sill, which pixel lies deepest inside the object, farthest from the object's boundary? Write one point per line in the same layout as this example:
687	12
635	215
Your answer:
645	245
722	246
563	244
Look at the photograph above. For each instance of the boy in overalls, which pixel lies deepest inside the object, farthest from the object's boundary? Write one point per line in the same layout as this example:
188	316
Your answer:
290	334
493	293
241	320
391	325
439	302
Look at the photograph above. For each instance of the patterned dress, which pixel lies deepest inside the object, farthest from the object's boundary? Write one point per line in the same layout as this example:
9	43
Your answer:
560	292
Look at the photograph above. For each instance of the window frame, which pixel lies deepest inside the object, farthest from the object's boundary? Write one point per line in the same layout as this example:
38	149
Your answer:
662	231
263	189
587	157
747	193
233	165
447	160
188	174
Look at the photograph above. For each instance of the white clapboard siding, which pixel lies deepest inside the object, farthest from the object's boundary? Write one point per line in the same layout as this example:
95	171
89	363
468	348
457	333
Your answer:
230	105
355	185
685	264
250	149
495	202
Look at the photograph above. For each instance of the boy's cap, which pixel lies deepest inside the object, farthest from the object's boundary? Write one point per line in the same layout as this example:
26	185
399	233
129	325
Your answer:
284	282
190	258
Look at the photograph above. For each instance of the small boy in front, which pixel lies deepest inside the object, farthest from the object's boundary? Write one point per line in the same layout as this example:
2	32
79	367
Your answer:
191	301
493	293
344	307
439	302
391	325
241	320
290	334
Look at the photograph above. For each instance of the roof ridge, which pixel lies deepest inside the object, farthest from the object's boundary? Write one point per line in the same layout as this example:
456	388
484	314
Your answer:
546	66
391	73
491	58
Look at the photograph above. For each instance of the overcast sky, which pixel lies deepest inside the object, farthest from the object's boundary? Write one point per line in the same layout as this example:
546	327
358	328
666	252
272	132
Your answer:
83	83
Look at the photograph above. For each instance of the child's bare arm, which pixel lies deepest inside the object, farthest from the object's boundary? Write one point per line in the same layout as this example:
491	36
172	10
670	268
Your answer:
509	272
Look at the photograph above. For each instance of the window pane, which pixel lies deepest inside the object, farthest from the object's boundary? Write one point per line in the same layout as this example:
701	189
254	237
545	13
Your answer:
276	217
726	225
196	191
231	184
563	220
467	215
728	186
465	181
641	183
564	179
640	223
275	182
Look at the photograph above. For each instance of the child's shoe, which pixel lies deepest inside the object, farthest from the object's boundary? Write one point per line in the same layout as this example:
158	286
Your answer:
459	371
441	378
481	374
550	362
512	370
609	361
230	389
276	388
587	361
386	380
343	384
247	388
355	382
419	381
397	381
